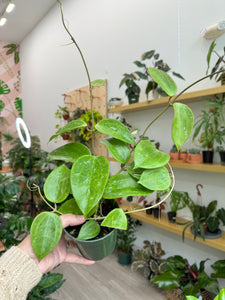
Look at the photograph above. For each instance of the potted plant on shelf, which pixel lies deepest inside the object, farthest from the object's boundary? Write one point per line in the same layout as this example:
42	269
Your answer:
205	220
219	65
87	188
207	126
156	62
132	90
178	201
125	241
174	154
182	279
149	259
194	156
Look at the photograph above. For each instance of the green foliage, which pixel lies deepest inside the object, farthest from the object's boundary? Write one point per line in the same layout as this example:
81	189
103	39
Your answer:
126	238
89	178
178	200
194	151
191	279
13	48
132	89
19	106
49	283
148	260
159	65
209	125
220	63
203	218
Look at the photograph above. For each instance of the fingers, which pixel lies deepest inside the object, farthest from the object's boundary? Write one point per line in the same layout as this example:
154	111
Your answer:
76	259
71	220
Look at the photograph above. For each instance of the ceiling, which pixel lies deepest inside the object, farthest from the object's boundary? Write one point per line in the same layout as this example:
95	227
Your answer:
25	16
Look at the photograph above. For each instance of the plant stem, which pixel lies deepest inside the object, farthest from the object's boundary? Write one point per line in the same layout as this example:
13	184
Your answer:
36	187
87	73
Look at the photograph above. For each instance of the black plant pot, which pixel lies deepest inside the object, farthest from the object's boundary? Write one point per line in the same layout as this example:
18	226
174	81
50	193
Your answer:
172	216
148	210
156	212
207	156
222	157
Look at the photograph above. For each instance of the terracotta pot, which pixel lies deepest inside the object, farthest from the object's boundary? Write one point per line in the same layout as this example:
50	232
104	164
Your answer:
194	158
174	156
183	156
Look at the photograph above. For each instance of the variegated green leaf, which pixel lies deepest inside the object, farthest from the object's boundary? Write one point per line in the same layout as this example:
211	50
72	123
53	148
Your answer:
118	149
164	80
115	219
69	152
57	184
89	230
146	156
156	179
45	233
182	126
70	207
69	127
115	129
123	185
89	175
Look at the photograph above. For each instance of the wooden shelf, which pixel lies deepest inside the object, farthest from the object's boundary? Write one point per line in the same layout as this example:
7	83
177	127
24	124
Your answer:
6	170
199	167
163	223
160	102
196	167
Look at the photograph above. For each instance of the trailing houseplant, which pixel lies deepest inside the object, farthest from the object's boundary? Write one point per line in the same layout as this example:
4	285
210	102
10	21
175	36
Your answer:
220	296
87	187
191	279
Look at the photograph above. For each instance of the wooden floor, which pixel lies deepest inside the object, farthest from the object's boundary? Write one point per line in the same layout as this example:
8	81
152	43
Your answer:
106	279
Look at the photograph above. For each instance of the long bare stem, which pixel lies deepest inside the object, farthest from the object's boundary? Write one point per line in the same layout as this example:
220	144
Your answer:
86	69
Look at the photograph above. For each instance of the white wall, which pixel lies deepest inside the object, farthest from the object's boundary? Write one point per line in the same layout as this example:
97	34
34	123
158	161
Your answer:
112	34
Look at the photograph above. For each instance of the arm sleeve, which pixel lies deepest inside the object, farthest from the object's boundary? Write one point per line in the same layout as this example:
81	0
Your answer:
18	274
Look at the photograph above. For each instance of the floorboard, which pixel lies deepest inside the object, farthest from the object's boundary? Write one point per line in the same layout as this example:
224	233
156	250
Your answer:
106	279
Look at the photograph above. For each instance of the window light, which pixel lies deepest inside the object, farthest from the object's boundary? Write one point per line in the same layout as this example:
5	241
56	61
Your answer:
3	21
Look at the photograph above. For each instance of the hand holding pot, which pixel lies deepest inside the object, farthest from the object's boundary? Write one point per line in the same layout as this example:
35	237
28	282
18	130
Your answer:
59	254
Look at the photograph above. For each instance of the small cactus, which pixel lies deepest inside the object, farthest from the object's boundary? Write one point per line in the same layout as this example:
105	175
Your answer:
148	260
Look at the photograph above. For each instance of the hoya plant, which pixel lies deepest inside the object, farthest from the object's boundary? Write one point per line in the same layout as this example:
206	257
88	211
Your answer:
86	186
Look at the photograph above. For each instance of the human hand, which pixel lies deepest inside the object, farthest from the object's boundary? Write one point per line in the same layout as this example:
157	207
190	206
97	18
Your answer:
59	254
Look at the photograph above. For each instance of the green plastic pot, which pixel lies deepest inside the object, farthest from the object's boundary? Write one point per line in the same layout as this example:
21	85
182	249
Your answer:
97	249
124	258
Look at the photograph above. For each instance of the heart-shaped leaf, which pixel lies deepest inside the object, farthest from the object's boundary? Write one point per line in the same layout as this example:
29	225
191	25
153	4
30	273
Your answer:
89	230
115	129
70	207
115	219
182	126
68	127
156	179
146	156
57	184
89	175
45	233
118	149
164	80
123	185
69	152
